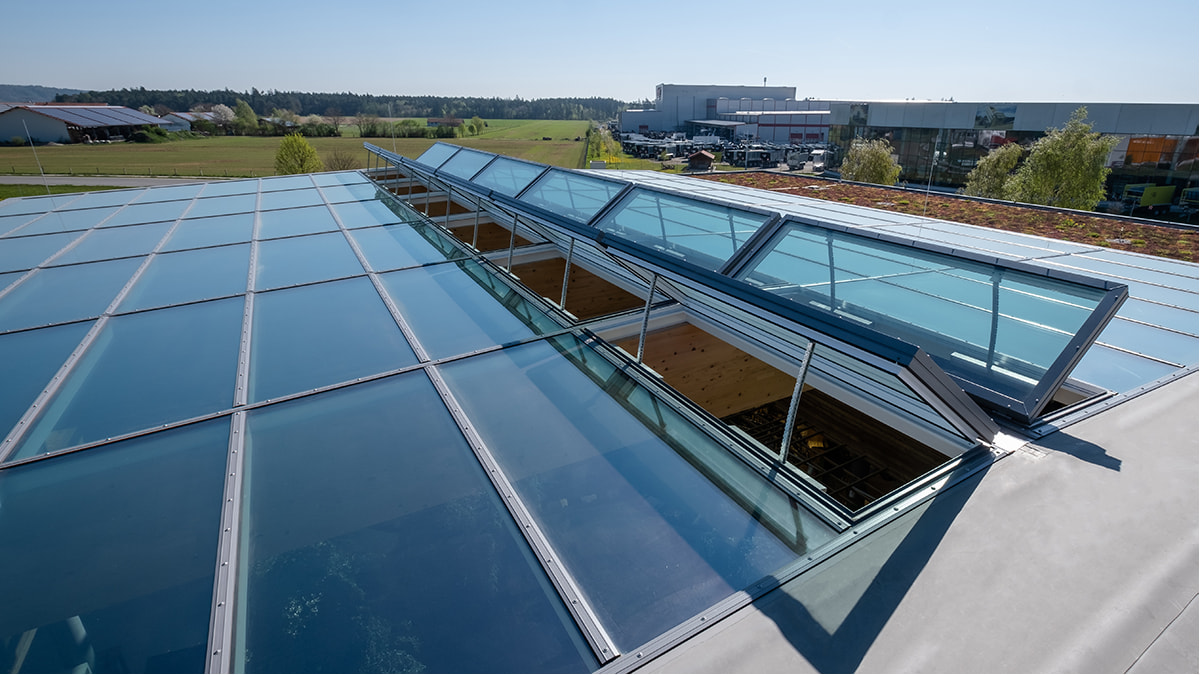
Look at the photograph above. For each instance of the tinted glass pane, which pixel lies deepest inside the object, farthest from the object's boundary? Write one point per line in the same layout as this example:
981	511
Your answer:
699	232
322	334
60	294
378	212
148	213
219	206
230	187
572	195
172	192
384	559
286	183
339	178
188	276
22	253
144	370
211	232
307	220
290	198
655	521
117	551
119	242
397	246
30	359
466	163
437	153
351	193
10	223
998	327
1161	344
1160	315
456	308
508	176
1117	370
106	198
284	262
66	221
9	207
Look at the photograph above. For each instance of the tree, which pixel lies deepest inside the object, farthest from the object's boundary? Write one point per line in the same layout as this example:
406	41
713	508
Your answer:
871	162
340	160
244	118
222	115
1066	167
475	125
295	155
991	175
333	115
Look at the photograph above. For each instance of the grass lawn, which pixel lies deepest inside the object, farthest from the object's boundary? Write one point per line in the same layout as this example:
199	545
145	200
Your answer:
35	190
255	155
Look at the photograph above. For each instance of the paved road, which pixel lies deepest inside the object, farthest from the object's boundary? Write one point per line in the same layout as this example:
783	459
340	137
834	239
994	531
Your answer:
116	181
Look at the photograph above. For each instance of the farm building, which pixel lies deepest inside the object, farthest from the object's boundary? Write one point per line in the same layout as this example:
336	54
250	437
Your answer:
72	123
467	413
182	121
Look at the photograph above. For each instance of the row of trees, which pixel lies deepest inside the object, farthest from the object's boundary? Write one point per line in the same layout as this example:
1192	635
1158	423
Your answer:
1065	168
304	103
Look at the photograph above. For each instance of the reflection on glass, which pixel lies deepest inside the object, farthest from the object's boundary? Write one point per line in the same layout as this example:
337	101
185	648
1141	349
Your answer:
654	520
289	222
188	276
230	187
286	183
352	193
318	257
460	307
375	212
466	163
10	223
30	359
67	221
214	231
436	154
170	193
118	242
117	550
508	176
322	334
152	212
339	178
572	195
374	543
396	246
699	232
144	370
22	253
58	294
290	198
996	326
219	206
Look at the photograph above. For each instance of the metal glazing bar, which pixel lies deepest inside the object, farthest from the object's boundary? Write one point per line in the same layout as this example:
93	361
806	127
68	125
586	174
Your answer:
449	203
221	618
795	404
475	236
646	317
428	189
512	244
567	274
997	277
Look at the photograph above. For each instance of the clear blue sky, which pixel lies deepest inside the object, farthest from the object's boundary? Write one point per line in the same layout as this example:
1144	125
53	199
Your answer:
1016	50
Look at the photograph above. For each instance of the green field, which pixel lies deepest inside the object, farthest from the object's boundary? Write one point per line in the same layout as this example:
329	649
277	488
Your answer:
255	156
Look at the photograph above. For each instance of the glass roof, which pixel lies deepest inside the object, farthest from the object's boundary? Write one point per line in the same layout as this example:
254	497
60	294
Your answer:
571	195
508	176
380	433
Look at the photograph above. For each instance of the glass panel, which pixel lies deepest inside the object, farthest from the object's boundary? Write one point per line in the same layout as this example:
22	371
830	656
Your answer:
286	183
118	547
466	163
290	198
148	213
352	193
508	176
230	187
436	154
655	521
10	223
59	294
144	370
319	257
397	246
172	192
701	233
571	195
396	557
106	198
66	221
322	334
1117	370
211	232
7	278
220	206
339	178
188	276
119	242
35	205
1160	315
30	359
375	212
1152	341
23	253
997	327
289	222
460	307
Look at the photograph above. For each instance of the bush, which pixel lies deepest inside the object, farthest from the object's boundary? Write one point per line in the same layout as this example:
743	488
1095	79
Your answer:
296	155
17	140
340	160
